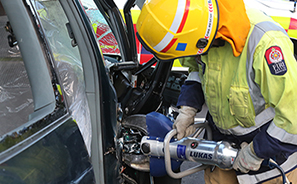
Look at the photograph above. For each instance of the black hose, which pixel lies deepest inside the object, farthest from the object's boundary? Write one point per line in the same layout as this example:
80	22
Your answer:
272	164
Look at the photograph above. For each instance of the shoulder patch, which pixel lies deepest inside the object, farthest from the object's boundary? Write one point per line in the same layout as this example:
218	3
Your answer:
275	60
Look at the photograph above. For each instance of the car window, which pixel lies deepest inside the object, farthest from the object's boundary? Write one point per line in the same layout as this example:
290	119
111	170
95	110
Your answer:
16	101
67	61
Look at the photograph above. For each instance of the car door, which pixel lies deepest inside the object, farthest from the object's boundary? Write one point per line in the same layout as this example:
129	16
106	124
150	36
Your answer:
57	104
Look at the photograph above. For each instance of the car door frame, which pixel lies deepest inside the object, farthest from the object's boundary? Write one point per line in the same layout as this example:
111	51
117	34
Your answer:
101	95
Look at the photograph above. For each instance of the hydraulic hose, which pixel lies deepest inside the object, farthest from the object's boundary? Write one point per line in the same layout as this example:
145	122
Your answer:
273	164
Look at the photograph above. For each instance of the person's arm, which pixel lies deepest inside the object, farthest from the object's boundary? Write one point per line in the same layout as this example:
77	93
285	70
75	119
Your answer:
276	74
190	101
191	93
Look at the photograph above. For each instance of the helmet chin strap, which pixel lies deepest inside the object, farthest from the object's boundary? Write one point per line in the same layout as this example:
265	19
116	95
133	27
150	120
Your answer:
218	43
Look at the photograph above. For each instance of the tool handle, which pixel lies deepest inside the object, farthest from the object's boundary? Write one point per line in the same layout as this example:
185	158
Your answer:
167	158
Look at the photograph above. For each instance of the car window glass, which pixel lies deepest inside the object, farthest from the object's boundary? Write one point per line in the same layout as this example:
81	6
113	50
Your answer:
68	62
16	101
104	35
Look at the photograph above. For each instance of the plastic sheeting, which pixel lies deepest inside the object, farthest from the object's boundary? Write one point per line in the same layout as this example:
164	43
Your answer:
16	101
68	64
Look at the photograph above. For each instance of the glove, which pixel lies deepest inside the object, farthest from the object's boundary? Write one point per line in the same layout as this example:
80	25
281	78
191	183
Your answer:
247	159
184	121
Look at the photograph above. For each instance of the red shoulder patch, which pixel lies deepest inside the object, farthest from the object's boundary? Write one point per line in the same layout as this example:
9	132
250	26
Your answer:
275	60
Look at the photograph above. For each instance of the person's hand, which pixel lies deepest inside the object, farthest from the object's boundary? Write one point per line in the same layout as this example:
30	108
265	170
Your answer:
184	121
247	159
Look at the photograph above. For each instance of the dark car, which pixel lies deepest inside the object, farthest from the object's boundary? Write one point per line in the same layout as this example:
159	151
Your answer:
71	111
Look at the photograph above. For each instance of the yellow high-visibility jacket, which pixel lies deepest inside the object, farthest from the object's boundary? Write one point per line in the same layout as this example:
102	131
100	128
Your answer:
260	85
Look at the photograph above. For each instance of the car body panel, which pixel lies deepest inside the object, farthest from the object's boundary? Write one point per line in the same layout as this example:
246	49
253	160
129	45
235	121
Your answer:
60	157
283	12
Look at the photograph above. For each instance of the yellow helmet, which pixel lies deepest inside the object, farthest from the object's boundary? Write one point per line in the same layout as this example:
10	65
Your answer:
176	28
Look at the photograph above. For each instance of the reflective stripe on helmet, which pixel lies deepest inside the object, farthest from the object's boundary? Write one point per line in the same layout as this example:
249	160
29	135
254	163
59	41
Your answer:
209	24
177	25
171	29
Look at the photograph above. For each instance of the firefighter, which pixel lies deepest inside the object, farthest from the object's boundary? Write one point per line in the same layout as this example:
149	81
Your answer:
241	64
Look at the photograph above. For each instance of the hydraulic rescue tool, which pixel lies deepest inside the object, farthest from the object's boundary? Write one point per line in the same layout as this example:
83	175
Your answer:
221	154
164	147
202	151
